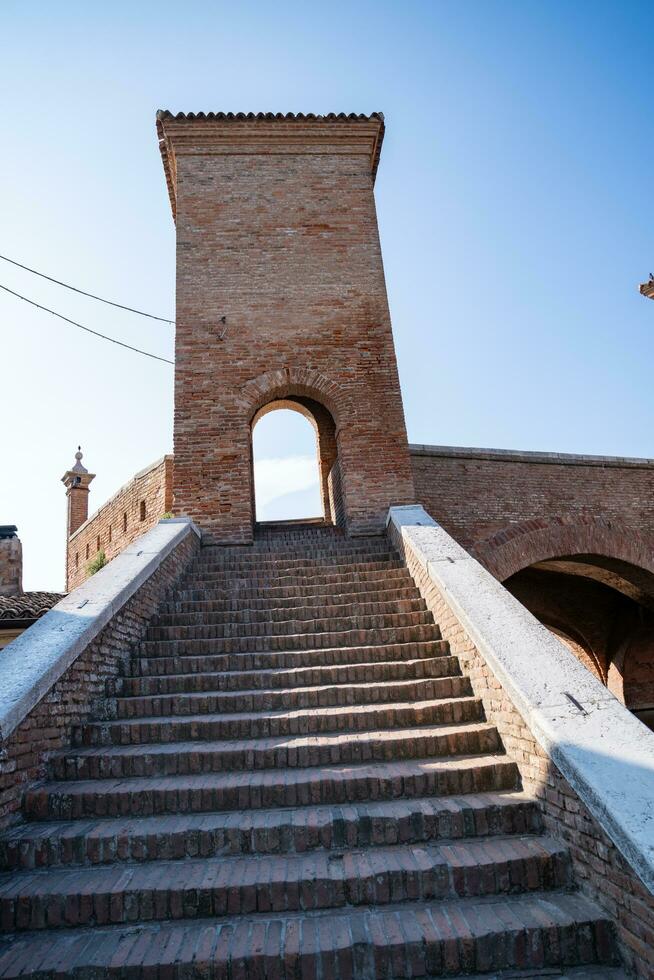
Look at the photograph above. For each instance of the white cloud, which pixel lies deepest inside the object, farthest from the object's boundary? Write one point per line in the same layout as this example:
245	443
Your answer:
275	478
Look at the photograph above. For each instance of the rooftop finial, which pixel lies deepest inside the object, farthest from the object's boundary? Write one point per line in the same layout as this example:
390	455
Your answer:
78	468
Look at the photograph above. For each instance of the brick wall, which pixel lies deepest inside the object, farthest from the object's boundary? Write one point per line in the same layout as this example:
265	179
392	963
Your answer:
11	566
479	495
600	870
73	698
132	511
277	232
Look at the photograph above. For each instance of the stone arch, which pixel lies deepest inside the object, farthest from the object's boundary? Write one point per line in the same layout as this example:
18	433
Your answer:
320	401
292	381
520	545
324	428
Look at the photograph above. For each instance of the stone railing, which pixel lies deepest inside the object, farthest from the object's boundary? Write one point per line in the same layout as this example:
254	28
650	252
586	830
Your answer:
52	676
586	758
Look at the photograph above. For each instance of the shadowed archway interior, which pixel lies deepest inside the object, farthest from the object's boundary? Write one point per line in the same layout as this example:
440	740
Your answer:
603	609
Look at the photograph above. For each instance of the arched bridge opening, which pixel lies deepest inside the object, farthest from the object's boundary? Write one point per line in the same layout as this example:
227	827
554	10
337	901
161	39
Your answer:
330	506
603	609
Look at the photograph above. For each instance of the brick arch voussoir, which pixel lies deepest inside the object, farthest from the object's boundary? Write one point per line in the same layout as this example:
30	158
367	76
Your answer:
286	382
520	545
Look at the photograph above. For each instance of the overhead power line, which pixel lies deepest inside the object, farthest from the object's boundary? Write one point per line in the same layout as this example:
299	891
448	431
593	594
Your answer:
95	333
83	292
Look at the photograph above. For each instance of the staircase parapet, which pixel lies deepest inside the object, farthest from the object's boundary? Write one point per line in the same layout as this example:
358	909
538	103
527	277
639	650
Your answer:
51	675
584	755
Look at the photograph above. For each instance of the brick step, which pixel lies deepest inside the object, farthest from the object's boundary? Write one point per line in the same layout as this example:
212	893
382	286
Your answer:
335	574
349	587
422	689
332	540
241	613
288	627
210	792
271	660
274	566
399	941
238	680
242	884
593	972
317	551
199	605
279	752
253	556
298	641
264	724
52	844
340	565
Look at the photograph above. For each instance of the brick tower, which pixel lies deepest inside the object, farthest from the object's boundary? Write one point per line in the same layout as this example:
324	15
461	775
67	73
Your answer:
77	481
281	301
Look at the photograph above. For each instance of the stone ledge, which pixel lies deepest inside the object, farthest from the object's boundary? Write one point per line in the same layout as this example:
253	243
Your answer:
603	751
528	456
34	662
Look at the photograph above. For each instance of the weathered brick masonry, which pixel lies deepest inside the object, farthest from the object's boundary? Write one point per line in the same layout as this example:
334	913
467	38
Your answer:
277	233
132	511
48	727
514	508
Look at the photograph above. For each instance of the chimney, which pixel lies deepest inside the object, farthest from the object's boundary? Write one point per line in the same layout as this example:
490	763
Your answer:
76	481
11	561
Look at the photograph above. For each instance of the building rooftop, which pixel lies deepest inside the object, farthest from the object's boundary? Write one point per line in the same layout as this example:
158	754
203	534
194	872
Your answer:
26	606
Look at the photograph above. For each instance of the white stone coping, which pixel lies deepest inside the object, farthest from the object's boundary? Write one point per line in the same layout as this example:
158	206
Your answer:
531	456
34	662
604	752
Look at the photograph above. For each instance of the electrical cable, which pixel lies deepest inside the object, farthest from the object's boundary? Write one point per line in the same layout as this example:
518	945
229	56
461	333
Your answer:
83	292
95	333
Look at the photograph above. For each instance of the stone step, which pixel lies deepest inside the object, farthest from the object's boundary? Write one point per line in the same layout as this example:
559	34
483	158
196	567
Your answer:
288	627
38	845
242	884
399	941
264	724
373	571
273	660
279	752
316	697
265	789
349	588
264	561
316	611
235	680
236	604
299	641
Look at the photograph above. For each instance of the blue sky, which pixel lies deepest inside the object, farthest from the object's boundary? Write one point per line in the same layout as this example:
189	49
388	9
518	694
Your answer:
514	199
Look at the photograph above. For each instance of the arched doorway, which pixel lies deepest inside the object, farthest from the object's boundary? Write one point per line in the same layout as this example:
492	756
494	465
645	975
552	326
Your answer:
320	474
603	610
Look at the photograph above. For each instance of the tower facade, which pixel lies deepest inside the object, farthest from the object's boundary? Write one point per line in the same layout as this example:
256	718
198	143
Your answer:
281	300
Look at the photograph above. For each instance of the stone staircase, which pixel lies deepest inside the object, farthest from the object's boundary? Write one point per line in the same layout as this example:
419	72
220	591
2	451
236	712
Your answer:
292	780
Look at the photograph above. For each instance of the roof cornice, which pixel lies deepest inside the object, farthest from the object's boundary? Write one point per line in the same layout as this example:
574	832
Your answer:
252	132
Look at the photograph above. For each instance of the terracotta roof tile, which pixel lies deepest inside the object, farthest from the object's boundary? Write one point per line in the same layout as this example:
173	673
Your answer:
301	116
27	605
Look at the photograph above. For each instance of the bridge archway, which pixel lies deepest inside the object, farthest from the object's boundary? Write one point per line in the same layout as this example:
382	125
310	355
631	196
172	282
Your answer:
324	428
592	584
